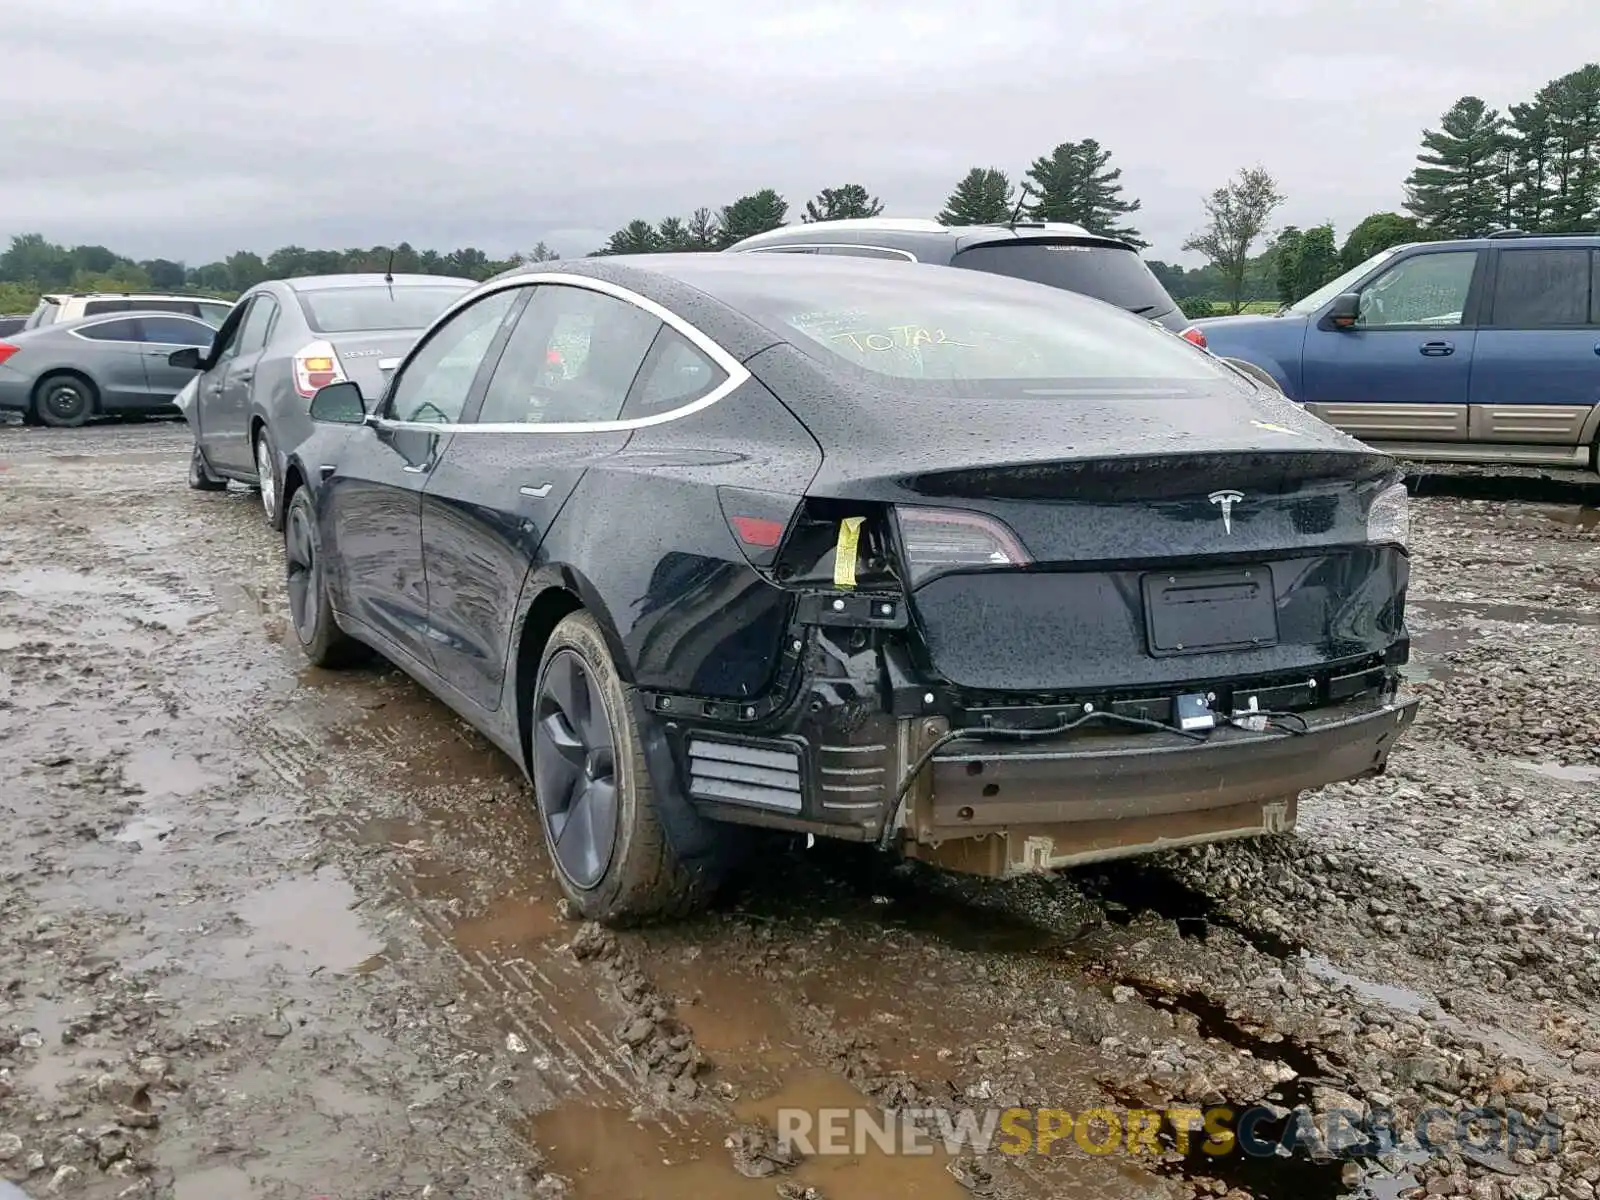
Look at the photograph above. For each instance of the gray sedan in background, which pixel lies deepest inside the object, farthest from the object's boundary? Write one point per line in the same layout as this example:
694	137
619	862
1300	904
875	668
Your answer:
283	341
66	373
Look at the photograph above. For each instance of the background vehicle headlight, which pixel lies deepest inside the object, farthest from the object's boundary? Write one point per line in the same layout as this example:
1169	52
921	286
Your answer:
1389	518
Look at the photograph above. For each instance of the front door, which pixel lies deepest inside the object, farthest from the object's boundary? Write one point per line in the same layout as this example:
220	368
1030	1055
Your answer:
1403	373
163	335
228	421
374	499
551	409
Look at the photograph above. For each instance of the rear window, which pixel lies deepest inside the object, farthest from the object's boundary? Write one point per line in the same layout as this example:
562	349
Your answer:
971	329
45	314
348	309
1116	276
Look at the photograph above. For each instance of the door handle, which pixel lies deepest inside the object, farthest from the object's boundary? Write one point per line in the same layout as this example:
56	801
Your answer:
411	470
537	493
245	376
1597	347
1437	349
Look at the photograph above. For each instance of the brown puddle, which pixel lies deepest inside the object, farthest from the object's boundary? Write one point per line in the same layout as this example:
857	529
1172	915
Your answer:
609	1157
511	923
308	923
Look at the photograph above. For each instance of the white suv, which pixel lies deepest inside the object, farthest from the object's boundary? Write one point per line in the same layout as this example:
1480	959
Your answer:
64	306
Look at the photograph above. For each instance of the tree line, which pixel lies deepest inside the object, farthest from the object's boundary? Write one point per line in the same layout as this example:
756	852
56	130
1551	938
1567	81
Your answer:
1534	167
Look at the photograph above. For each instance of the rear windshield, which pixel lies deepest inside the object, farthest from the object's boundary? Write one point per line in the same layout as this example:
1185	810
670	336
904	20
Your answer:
45	314
348	309
1116	276
924	323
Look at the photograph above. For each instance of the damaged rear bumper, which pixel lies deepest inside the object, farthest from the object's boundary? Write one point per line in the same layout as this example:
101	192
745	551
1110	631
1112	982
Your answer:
1047	804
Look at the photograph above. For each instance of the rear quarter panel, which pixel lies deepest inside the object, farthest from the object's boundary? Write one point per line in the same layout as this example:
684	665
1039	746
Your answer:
646	538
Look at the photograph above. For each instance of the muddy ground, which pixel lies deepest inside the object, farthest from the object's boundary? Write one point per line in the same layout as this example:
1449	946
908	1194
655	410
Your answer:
268	932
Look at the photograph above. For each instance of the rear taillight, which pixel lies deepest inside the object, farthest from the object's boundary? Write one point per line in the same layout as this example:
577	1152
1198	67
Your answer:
6	351
315	367
1192	334
936	540
758	521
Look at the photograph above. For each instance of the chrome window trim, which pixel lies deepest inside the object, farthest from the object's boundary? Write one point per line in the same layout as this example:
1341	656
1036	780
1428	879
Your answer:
791	247
738	374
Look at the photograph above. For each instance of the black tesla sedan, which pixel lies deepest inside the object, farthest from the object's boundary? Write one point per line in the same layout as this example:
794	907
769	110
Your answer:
954	563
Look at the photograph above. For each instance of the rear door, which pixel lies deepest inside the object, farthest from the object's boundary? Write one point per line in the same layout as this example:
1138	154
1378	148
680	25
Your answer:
163	335
1536	371
228	419
1403	373
551	409
374	498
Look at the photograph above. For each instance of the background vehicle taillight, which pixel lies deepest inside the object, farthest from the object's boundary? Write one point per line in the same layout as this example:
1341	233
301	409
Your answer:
1192	334
6	351
316	366
936	540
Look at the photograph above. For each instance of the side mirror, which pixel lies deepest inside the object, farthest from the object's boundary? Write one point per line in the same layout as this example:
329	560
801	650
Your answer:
189	358
1345	310
340	404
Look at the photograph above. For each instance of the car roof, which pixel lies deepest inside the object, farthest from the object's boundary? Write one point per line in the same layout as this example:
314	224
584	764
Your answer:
910	230
302	283
59	297
1513	239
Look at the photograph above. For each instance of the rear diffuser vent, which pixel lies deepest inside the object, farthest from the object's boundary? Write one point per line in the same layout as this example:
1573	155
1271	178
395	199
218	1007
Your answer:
765	776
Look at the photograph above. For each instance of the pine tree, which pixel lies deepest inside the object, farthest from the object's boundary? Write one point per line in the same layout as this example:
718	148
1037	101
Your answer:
983	197
1571	108
1527	164
674	234
842	203
702	231
636	237
1454	191
752	214
1286	263
1076	183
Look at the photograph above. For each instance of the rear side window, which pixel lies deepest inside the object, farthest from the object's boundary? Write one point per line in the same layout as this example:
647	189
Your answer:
1116	276
675	373
93	308
214	314
866	252
113	331
1544	289
571	359
176	331
376	308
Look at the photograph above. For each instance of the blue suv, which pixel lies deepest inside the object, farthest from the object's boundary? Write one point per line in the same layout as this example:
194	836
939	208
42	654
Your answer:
1480	350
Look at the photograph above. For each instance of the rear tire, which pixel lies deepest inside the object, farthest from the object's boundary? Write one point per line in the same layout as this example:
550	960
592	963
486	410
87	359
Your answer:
64	401
591	785
271	484
200	477
310	612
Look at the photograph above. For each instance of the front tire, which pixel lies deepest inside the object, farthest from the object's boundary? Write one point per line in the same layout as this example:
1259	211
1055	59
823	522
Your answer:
271	482
593	789
64	401
310	612
200	477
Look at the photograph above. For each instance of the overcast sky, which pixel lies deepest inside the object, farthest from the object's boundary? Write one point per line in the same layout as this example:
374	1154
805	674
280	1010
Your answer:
189	128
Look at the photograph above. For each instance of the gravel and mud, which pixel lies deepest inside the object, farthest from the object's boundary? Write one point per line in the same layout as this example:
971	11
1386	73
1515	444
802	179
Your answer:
269	933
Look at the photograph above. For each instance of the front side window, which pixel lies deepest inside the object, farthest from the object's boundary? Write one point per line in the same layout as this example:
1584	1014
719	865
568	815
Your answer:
1425	289
258	324
571	359
433	386
1543	289
126	330
176	331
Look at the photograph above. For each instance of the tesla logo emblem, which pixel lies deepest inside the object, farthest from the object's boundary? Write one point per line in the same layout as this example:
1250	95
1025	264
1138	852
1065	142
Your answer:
1225	501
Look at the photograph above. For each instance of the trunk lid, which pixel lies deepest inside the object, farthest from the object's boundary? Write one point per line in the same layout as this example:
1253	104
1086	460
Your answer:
1170	536
370	358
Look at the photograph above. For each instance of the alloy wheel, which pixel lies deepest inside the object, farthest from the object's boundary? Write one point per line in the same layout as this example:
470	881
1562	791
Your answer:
575	769
267	475
304	574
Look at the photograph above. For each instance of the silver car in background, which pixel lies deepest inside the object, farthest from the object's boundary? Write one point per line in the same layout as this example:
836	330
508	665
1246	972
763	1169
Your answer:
282	341
64	374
